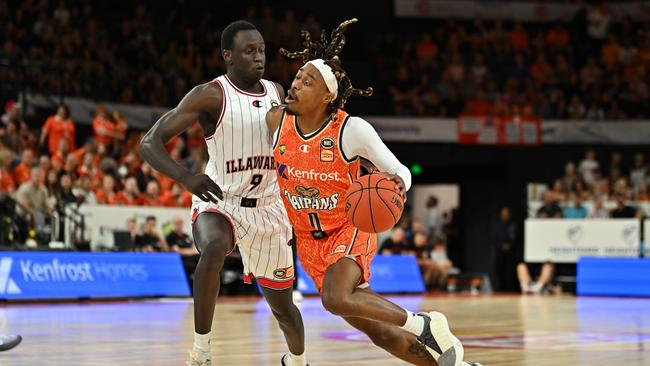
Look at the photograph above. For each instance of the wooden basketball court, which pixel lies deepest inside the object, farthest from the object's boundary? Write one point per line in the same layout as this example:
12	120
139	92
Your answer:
507	330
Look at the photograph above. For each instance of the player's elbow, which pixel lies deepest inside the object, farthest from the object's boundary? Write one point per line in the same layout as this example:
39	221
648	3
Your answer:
146	145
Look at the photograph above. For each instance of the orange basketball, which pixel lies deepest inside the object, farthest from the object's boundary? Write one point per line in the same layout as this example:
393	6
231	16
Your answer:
373	204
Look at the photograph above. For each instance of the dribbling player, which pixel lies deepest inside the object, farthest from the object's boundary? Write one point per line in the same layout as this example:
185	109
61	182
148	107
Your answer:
237	200
317	148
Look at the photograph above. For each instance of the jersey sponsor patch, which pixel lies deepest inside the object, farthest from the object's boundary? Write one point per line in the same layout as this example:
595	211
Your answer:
287	172
327	149
283	273
283	149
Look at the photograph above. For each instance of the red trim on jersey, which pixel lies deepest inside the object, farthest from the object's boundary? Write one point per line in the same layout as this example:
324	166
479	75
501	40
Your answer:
275	285
224	101
265	282
245	92
196	213
277	90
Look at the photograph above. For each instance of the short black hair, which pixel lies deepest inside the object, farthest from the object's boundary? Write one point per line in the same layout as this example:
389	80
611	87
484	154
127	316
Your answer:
66	109
150	218
229	33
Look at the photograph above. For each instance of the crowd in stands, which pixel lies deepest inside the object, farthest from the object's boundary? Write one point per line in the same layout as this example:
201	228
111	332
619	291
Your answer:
427	240
594	67
624	181
45	170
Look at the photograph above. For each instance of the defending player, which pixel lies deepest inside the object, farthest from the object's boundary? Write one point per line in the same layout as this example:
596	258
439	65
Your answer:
236	200
317	147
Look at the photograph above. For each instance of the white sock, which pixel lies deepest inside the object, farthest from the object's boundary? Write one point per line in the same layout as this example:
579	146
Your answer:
414	323
297	360
202	342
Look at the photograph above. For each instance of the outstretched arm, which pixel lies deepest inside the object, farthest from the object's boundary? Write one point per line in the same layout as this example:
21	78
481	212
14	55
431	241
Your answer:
361	139
203	101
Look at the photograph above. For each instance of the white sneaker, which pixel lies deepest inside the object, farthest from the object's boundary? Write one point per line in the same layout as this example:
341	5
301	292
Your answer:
9	341
297	296
199	359
445	348
537	288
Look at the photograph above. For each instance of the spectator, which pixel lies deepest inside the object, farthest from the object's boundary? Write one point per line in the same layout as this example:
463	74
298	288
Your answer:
577	210
84	192
550	208
587	167
622	210
176	197
431	273
132	228
64	193
59	127
395	244
599	211
107	195
433	222
7	184
181	243
23	171
130	196
638	171
31	197
11	114
151	197
151	240
543	282
144	176
105	130
503	253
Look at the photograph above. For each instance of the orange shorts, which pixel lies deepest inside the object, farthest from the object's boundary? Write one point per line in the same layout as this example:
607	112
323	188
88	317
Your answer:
316	255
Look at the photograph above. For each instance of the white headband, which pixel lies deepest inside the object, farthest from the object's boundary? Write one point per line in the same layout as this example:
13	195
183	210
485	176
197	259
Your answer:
328	75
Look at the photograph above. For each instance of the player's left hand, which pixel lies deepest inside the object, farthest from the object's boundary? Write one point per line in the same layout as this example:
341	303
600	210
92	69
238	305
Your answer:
399	186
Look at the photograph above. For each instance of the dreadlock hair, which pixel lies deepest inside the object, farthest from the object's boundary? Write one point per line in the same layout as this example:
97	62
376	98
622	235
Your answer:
329	51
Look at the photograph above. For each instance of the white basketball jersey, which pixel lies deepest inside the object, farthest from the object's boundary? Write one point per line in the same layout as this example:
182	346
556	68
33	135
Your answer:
240	151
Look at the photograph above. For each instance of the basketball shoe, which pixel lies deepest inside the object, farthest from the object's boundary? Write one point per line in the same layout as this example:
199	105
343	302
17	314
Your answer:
445	348
9	341
284	360
199	359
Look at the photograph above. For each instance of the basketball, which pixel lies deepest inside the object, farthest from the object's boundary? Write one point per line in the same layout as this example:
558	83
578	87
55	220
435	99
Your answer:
372	203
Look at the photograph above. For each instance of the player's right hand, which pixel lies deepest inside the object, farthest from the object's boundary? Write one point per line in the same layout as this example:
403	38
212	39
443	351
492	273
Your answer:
203	187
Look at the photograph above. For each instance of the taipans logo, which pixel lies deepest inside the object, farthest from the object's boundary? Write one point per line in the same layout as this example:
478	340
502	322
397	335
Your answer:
305	202
307	192
575	234
283	273
7	285
304	148
258	104
286	171
283	149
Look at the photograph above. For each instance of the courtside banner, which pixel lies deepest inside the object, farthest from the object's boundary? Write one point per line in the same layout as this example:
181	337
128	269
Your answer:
67	275
388	274
567	240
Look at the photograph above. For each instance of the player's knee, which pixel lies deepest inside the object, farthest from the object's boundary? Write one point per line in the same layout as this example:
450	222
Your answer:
336	303
214	252
284	315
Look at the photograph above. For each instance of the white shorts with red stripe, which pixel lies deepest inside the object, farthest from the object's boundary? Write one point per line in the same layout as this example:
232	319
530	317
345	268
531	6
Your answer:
263	234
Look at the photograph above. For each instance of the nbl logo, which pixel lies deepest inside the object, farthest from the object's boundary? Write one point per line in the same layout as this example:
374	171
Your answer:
7	285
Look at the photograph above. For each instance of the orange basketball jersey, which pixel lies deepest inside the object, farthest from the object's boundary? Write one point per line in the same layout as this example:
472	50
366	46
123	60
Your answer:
313	174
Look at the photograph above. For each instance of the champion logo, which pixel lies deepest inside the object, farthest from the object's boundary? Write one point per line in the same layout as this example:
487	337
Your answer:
258	104
7	285
304	148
